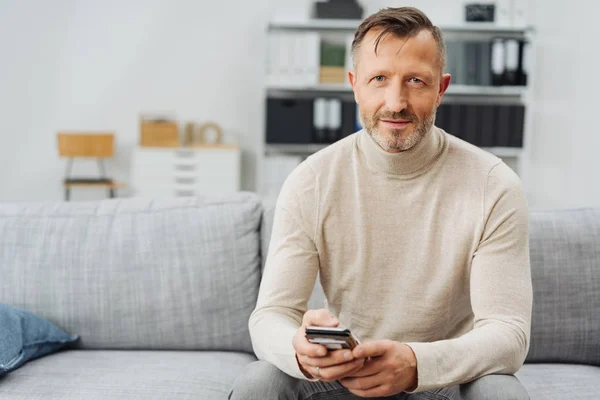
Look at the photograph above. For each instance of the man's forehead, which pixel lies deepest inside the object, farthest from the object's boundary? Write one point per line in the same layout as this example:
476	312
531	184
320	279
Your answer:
423	40
421	46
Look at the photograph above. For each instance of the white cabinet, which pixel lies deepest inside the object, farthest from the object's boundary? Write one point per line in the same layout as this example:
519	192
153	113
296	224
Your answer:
193	171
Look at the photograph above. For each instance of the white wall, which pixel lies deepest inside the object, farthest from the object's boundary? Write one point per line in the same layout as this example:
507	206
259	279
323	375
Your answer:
562	168
95	65
84	64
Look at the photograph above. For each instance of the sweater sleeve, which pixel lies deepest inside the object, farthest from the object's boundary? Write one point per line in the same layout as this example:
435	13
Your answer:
500	291
289	275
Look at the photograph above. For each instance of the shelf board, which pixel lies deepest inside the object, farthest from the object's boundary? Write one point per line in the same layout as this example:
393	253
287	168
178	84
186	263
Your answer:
332	88
486	90
344	25
317	24
462	90
505	152
310	148
301	148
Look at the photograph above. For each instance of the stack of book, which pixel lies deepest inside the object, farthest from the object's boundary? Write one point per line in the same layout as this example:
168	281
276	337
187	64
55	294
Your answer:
299	59
305	121
501	62
484	125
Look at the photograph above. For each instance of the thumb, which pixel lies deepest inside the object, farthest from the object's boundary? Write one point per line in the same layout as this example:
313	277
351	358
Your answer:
320	317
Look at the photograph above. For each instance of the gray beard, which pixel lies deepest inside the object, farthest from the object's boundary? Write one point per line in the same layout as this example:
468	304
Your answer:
396	143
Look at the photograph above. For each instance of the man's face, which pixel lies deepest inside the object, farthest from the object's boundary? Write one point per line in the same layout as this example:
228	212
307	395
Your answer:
398	89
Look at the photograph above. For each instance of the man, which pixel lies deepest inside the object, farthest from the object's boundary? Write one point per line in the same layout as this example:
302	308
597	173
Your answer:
420	240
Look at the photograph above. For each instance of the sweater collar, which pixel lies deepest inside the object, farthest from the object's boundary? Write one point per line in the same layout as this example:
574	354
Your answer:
407	164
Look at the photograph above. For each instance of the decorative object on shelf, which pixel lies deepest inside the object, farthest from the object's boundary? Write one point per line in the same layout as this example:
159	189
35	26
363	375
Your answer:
159	131
479	12
499	12
189	130
340	9
199	135
87	145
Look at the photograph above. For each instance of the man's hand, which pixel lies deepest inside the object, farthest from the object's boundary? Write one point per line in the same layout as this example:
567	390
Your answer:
391	369
314	359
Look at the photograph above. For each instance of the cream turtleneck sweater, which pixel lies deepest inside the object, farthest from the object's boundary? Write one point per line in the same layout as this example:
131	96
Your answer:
428	247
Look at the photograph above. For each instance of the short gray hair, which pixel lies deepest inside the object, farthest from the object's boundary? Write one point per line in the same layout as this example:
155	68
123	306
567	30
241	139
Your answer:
400	22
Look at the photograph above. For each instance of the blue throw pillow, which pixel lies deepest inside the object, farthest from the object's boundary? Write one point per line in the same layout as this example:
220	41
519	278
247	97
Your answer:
25	336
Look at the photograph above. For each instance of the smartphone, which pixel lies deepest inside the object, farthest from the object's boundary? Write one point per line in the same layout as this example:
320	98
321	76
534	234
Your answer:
331	338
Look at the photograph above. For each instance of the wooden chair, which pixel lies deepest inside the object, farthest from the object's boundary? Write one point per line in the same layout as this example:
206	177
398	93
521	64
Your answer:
87	145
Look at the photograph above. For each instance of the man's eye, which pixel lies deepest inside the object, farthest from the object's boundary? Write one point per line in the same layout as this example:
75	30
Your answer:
379	78
415	80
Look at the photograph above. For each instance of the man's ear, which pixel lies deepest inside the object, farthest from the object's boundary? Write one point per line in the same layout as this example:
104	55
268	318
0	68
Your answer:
352	80
444	83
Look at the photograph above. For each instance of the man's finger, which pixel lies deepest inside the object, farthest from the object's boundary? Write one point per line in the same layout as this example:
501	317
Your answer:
371	349
363	383
374	392
320	317
371	367
334	357
335	372
305	348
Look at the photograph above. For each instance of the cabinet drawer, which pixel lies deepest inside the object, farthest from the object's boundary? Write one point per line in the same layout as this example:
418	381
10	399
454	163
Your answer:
185	172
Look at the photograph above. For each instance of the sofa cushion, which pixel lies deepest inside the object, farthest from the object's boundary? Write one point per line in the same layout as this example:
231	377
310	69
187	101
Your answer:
178	274
565	267
105	374
560	381
24	336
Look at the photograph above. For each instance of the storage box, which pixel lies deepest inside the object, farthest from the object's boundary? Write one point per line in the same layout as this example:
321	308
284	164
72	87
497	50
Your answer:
159	133
289	120
332	75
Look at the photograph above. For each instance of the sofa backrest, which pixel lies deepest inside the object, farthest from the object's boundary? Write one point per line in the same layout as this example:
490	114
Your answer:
565	267
266	227
180	274
317	299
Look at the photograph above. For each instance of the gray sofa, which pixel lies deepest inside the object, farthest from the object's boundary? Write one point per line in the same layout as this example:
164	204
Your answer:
160	292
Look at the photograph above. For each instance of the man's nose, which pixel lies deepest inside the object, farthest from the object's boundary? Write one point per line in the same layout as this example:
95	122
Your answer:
396	97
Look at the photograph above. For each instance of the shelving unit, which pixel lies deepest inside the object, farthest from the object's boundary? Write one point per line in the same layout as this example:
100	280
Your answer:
456	93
